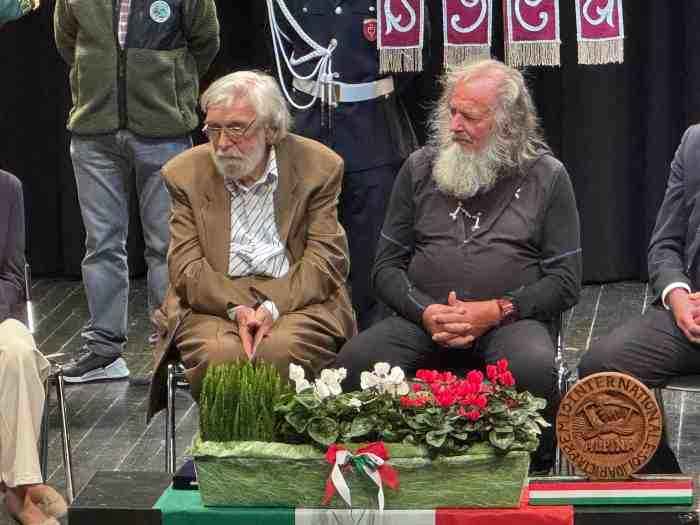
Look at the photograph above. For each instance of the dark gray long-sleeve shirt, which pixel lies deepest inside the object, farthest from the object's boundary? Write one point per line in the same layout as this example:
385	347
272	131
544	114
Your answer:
11	244
526	244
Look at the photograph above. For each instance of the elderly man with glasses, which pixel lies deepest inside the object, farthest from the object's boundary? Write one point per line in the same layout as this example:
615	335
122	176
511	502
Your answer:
257	259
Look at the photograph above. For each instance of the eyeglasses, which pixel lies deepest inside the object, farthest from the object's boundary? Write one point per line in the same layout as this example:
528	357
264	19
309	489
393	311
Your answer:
233	133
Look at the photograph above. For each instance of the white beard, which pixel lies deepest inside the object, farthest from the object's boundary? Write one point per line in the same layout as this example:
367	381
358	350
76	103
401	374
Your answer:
462	173
236	168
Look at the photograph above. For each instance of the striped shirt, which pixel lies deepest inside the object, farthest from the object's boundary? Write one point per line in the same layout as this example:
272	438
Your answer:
124	8
256	248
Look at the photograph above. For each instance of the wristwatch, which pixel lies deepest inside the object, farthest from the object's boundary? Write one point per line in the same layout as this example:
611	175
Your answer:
509	310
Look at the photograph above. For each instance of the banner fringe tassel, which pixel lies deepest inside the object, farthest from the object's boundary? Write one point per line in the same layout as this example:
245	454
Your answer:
601	52
519	54
400	60
456	55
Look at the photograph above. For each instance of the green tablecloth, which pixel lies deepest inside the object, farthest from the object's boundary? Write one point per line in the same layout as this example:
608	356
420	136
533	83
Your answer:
184	507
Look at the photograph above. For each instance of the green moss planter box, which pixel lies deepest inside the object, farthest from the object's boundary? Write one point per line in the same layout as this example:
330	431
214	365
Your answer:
250	473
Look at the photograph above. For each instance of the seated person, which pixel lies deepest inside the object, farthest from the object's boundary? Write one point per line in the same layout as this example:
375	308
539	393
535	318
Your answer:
257	259
480	248
664	342
23	370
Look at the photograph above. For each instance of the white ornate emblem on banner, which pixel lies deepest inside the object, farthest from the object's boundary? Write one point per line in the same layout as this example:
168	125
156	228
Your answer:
599	31
532	32
466	26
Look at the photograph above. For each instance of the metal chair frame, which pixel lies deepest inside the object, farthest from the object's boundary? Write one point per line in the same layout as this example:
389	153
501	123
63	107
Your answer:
55	376
175	377
565	380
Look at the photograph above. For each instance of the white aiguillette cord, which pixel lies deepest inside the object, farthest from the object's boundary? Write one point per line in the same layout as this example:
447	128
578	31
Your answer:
321	75
342	458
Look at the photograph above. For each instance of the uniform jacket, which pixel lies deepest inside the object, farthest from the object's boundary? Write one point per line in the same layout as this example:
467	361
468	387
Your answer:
151	86
305	202
674	245
365	134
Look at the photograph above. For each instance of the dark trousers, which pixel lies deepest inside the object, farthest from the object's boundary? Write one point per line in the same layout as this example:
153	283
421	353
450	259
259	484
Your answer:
363	202
653	349
528	346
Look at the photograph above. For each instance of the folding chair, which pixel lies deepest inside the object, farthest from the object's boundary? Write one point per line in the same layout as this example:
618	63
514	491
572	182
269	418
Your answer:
176	378
55	376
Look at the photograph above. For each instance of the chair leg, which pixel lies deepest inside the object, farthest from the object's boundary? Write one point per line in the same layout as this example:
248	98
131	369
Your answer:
44	439
170	421
65	437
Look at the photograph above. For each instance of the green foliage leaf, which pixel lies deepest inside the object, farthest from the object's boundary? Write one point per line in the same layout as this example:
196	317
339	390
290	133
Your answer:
323	430
308	399
497	407
298	419
501	441
361	426
435	438
538	403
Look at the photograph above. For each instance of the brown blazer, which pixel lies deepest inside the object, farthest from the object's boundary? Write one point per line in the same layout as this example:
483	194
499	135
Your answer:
306	199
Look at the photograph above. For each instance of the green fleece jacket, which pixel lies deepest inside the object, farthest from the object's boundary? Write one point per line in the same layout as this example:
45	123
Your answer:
151	85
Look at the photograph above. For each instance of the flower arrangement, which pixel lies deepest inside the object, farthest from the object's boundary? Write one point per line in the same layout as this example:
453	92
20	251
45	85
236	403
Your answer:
259	431
438	410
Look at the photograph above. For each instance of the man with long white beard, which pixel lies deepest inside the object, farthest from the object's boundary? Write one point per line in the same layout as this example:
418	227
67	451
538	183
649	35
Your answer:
480	249
257	259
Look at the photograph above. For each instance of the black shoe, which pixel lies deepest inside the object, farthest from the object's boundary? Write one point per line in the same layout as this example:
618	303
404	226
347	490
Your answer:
92	367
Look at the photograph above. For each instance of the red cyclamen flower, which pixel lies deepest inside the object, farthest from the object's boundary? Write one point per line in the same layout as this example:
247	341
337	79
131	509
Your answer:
475	377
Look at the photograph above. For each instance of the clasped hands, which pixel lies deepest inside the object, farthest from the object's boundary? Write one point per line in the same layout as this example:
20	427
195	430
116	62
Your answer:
253	326
458	323
686	311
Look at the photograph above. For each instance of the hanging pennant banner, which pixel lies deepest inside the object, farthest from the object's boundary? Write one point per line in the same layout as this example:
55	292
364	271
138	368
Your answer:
600	31
400	35
466	30
532	32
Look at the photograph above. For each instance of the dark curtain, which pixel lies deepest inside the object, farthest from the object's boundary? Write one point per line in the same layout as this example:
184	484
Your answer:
615	127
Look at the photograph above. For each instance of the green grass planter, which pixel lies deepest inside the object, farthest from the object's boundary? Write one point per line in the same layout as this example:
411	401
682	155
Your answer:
260	474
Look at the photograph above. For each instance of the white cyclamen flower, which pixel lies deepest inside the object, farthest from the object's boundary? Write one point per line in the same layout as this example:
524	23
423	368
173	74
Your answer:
302	385
355	403
402	389
296	373
382	369
322	390
368	380
396	376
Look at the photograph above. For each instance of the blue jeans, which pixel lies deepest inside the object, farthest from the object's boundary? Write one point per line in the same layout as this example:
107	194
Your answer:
103	165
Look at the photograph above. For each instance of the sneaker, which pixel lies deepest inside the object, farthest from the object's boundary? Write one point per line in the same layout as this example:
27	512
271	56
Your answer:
93	367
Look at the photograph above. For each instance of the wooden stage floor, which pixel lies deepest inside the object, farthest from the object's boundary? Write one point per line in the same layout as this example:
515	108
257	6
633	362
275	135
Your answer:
107	420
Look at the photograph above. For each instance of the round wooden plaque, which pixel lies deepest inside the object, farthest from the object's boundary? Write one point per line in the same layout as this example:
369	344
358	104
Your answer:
609	425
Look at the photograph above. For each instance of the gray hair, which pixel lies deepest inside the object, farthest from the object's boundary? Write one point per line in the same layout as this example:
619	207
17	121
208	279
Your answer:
517	130
261	90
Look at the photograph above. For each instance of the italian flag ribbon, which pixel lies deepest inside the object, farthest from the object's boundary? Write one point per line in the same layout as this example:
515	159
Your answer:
370	460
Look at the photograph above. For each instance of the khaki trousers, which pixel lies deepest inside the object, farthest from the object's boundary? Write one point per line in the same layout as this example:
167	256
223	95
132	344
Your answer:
23	371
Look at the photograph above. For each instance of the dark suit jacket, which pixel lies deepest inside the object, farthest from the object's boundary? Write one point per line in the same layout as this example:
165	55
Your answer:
11	244
305	202
675	242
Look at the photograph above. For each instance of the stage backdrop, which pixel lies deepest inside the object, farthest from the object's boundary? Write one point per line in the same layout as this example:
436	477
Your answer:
615	127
